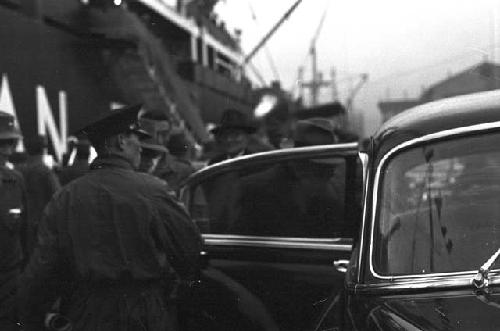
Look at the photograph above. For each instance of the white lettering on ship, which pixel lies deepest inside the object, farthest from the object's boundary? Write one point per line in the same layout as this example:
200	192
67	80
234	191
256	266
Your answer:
45	117
46	120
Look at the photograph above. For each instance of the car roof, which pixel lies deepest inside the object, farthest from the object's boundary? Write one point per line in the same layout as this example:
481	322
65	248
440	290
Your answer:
436	116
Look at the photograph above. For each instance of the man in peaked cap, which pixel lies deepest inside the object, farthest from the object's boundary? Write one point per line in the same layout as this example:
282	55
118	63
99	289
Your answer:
118	134
113	244
12	223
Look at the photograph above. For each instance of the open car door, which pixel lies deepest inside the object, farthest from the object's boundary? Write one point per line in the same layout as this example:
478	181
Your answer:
278	230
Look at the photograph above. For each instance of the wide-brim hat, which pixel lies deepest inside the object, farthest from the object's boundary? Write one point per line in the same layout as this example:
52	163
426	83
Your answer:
8	128
313	132
234	120
151	145
114	122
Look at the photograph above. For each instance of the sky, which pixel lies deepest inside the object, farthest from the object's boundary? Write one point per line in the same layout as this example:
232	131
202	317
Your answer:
403	45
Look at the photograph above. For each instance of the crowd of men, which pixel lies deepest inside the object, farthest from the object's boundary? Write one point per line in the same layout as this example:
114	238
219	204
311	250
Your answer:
106	244
108	249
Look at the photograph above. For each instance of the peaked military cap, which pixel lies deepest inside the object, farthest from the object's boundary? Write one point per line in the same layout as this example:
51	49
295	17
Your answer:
8	129
118	121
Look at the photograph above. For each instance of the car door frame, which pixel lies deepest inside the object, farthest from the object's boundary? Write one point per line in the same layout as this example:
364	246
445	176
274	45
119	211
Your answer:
329	253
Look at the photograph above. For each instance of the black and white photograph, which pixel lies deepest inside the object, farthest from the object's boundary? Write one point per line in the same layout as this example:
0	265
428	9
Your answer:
249	165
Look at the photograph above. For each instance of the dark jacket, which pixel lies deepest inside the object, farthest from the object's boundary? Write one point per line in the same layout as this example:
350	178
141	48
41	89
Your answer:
12	238
41	183
113	244
174	170
76	170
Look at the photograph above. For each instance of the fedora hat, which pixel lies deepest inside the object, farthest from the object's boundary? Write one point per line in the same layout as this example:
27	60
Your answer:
152	145
234	119
316	131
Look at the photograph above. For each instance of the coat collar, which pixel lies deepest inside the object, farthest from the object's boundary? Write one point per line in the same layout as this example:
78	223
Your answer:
111	161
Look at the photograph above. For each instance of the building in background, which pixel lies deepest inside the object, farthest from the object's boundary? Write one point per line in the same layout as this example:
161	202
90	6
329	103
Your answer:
484	76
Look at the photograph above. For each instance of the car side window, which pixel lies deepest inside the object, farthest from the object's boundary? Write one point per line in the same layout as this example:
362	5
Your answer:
303	198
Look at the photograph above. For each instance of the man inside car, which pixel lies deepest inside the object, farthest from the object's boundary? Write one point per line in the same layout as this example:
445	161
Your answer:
300	198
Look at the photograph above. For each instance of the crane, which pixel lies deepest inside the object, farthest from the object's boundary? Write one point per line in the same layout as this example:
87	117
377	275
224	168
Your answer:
271	32
354	91
317	81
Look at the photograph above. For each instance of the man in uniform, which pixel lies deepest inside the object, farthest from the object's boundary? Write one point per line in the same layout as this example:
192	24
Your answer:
112	244
12	223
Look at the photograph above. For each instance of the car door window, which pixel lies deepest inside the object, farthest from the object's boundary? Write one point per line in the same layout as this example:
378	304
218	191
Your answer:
303	197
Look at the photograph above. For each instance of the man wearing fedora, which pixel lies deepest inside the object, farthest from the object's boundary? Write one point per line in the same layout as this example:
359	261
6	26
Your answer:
178	166
298	198
12	223
151	154
113	244
233	137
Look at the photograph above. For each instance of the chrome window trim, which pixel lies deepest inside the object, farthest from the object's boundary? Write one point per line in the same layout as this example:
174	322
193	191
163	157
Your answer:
364	162
458	279
339	244
273	156
427	138
363	225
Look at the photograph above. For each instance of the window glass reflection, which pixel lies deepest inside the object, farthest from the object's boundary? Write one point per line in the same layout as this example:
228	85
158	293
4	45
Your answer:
439	208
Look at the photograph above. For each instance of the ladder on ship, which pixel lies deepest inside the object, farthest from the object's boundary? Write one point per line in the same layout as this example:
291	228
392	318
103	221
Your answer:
146	73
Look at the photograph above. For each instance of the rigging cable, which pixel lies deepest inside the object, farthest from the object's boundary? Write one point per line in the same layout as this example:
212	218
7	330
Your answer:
271	32
266	49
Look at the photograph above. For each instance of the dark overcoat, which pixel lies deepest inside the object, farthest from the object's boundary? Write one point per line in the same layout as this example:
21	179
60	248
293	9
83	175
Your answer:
41	184
112	244
12	241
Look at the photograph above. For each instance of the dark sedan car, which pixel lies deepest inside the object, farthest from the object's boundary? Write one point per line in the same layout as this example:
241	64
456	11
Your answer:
430	234
403	235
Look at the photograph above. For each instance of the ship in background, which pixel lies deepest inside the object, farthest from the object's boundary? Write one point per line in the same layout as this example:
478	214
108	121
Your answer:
65	62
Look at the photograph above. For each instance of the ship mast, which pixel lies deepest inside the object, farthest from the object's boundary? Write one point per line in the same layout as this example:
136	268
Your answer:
316	82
